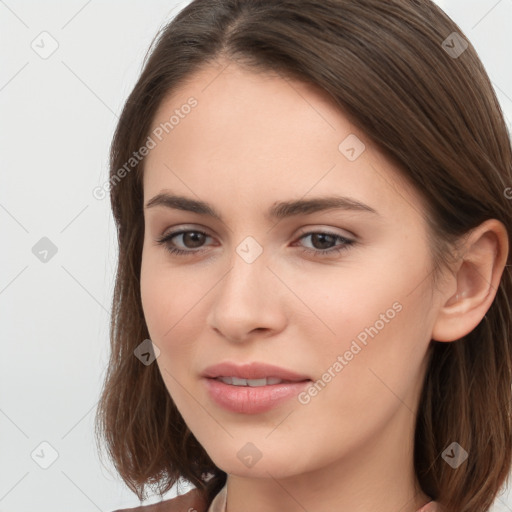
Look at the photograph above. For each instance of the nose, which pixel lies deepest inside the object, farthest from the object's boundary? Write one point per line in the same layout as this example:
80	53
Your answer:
248	299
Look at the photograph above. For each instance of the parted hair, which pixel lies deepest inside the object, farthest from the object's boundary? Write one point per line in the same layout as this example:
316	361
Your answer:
400	74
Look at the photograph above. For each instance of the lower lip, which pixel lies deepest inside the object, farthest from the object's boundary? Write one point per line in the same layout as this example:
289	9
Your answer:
252	400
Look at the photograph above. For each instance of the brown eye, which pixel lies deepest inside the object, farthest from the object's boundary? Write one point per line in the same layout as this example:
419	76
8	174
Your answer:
191	239
321	239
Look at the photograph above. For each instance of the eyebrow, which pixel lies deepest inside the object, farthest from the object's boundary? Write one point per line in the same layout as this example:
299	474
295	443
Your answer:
278	210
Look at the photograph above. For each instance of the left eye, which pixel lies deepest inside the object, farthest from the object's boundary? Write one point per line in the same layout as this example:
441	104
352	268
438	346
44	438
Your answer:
317	237
321	237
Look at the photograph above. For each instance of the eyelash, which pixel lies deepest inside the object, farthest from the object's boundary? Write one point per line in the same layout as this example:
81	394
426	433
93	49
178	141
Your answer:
315	252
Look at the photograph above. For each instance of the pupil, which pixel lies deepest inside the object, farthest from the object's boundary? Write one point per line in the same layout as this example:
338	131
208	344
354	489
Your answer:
321	235
192	236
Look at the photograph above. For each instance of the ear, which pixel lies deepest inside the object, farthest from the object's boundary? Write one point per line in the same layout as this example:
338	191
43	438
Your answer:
476	278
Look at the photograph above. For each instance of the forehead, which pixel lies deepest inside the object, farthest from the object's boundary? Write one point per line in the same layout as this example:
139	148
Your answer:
262	138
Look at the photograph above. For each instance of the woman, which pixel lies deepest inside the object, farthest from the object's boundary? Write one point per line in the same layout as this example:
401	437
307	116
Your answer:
311	307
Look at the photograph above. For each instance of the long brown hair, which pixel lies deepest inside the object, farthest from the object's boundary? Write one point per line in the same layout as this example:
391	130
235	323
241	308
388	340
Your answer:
403	78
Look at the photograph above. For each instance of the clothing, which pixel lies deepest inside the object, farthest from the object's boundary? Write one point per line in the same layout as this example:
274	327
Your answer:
192	502
431	506
219	503
188	502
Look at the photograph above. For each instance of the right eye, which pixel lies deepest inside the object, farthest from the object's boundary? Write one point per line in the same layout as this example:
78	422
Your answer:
168	240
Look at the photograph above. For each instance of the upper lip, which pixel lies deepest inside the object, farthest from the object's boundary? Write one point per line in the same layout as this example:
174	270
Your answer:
252	370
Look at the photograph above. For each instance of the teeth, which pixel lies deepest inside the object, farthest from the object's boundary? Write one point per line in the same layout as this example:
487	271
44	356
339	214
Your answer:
235	381
273	380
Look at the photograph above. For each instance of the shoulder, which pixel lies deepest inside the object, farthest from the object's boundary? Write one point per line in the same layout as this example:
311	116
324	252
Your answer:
192	501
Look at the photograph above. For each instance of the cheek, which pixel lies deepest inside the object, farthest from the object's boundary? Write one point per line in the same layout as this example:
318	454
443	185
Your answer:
168	297
173	310
165	302
376	320
339	303
154	300
391	359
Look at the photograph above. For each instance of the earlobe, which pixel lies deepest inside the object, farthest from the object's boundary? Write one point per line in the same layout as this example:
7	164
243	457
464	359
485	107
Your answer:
478	276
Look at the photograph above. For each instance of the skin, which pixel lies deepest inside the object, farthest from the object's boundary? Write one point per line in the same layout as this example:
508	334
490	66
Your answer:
252	140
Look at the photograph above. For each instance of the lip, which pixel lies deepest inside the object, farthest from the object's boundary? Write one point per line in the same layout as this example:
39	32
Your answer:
252	370
252	400
248	399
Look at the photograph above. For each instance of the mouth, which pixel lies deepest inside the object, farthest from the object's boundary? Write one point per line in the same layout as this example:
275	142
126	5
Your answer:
252	374
252	388
255	383
252	396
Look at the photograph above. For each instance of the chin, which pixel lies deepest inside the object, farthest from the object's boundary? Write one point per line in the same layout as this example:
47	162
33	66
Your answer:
276	465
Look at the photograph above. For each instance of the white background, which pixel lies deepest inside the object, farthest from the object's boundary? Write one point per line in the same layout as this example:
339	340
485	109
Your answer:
57	117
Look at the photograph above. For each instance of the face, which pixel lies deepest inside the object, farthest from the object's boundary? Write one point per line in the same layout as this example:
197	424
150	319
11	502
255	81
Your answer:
340	296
